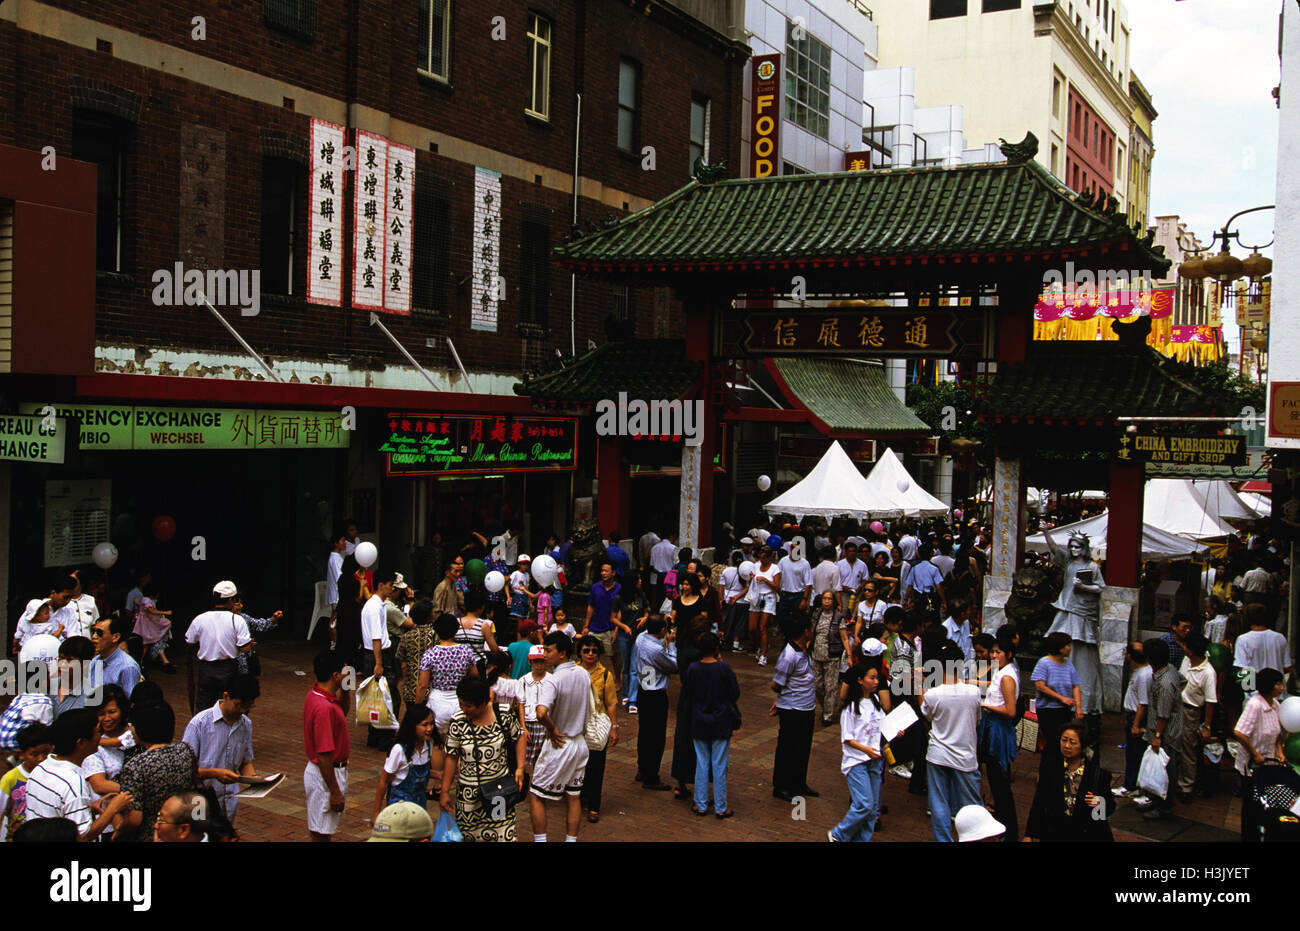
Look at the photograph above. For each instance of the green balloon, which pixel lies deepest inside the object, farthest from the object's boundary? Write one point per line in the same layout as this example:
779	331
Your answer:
1219	655
475	571
1291	749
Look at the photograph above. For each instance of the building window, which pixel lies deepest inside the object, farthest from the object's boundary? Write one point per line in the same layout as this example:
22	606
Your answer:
431	243
539	66
102	140
629	91
807	81
946	9
789	168
700	112
279	212
295	16
624	304
534	266
997	6
1056	160
1056	98
435	38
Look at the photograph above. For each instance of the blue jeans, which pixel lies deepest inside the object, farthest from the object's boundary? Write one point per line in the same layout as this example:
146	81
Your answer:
631	684
950	791
864	790
714	755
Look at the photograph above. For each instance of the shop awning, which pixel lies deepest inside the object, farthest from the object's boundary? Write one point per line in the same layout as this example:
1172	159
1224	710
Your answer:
845	396
1068	382
647	369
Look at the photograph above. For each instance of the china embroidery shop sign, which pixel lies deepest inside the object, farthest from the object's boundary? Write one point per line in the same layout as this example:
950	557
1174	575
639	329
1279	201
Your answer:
433	444
121	427
1183	450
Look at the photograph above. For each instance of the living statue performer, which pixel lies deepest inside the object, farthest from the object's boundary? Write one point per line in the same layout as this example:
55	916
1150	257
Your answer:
1078	613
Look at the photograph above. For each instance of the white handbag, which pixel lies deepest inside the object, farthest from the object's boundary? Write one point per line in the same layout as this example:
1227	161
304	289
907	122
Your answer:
598	723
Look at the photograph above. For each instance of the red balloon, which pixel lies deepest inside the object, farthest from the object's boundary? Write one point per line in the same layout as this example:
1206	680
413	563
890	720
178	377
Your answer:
164	528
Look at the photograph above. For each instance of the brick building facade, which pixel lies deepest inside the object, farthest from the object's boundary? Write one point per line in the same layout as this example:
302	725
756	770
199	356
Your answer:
201	129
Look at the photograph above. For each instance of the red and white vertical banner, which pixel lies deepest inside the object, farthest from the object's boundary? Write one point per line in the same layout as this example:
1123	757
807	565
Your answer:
398	229
325	246
369	209
486	260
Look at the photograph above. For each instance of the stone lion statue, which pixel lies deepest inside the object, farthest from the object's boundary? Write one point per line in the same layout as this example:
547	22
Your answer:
1029	607
582	566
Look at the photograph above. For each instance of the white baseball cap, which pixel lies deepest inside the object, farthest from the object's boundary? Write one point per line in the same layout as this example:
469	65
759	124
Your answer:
524	557
975	822
400	581
749	540
225	590
872	647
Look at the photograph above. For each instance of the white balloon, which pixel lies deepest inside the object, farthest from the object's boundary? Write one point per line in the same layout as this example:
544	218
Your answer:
544	570
746	570
366	554
903	485
494	581
1290	715
764	483
104	555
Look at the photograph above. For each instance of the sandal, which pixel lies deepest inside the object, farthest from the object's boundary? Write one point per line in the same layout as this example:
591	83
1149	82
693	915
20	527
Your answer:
725	814
698	811
680	793
593	817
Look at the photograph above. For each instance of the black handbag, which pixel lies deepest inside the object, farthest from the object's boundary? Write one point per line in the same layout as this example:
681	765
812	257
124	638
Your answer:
499	795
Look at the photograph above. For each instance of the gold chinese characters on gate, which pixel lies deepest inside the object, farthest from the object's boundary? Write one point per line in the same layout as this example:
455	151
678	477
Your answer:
900	333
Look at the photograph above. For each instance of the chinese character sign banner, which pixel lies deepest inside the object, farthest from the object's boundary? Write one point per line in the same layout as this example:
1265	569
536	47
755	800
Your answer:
325	246
397	234
369	198
487	249
437	444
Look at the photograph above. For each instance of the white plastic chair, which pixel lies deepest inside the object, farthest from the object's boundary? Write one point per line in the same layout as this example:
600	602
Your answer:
320	609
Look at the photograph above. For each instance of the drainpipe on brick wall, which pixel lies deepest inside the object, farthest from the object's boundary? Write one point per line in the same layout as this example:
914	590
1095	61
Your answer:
573	278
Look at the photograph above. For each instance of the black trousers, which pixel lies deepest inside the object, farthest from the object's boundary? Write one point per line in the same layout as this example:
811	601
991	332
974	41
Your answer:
793	747
652	733
593	780
1003	800
214	677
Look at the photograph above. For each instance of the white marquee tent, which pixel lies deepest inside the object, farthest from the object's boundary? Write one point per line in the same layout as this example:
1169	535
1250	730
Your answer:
1177	506
835	487
1157	545
1223	501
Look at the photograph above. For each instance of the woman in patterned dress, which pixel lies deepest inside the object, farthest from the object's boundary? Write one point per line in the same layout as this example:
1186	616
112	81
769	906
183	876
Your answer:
481	748
441	669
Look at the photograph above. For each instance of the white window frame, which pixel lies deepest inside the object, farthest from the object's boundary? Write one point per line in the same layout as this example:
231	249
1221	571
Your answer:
426	66
540	30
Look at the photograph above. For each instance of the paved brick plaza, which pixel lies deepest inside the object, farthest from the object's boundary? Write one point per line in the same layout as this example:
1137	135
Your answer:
629	813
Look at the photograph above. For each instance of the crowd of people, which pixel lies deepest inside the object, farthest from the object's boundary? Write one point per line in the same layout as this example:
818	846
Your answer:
501	698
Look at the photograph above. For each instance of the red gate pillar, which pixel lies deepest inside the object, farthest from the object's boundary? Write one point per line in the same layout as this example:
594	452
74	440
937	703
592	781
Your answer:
1124	529
613	492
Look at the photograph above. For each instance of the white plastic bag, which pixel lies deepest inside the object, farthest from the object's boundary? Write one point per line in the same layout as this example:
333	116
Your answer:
1152	775
375	705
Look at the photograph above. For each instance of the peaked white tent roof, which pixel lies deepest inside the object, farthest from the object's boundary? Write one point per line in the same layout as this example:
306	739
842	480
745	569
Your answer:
1157	545
1222	500
1262	505
1174	505
835	487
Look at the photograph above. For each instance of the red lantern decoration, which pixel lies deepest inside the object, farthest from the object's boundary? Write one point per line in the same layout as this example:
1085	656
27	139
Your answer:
164	528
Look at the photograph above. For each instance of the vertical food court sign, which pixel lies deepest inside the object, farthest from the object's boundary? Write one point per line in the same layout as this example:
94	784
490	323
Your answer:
765	117
435	444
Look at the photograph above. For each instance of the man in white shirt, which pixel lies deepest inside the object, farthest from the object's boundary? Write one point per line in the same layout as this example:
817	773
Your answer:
796	586
826	575
1260	647
852	572
378	653
85	608
952	767
662	558
735	612
221	634
563	703
63	588
58	789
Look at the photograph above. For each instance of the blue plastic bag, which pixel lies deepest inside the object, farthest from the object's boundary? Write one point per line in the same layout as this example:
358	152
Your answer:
446	831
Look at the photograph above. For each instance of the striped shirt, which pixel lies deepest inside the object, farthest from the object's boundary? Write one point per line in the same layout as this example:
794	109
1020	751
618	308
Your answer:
57	789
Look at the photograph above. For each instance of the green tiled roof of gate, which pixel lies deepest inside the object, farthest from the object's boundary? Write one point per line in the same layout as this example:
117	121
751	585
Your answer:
848	396
1069	379
997	210
647	369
